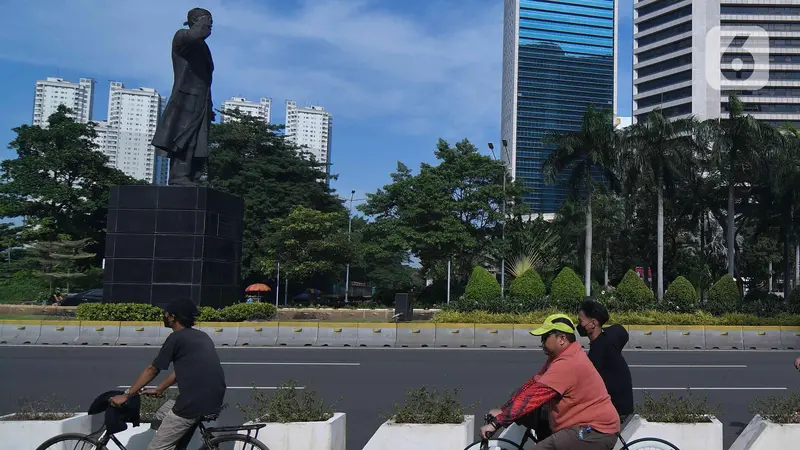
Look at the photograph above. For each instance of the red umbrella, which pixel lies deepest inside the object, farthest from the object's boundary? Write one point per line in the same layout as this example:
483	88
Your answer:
258	287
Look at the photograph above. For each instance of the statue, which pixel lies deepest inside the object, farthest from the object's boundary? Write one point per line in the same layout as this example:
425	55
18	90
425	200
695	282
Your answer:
183	130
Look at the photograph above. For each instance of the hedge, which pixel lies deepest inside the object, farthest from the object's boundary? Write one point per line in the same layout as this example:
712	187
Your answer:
140	312
482	286
723	296
649	317
632	294
681	296
567	291
528	289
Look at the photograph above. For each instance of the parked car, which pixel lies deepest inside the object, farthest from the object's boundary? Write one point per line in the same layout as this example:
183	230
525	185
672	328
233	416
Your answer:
90	296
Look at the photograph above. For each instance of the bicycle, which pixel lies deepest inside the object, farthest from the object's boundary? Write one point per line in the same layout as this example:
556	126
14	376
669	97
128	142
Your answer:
490	443
99	439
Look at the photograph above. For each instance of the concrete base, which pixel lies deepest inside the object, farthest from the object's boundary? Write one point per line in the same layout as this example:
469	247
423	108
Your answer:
412	436
329	435
30	434
761	434
685	436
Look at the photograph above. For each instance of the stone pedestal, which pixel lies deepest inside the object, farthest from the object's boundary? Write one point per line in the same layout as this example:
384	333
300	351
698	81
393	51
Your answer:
165	242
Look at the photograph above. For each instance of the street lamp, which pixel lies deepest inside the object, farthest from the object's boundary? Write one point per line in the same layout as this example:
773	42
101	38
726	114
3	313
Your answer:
349	228
503	259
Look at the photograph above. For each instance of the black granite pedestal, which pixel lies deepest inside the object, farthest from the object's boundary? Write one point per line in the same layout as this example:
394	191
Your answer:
165	242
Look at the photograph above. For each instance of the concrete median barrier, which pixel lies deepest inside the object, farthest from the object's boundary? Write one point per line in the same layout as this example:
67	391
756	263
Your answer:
224	334
723	338
523	337
20	332
141	333
500	335
647	337
761	338
337	335
377	334
297	334
257	334
415	335
59	333
98	333
686	337
790	338
455	335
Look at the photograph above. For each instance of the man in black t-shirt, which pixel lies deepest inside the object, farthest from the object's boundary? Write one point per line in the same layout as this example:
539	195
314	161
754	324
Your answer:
197	371
605	352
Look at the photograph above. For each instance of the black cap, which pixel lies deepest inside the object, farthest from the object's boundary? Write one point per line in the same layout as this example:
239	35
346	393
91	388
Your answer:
181	307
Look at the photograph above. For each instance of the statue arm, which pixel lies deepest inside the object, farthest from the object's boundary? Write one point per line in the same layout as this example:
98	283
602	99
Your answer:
199	31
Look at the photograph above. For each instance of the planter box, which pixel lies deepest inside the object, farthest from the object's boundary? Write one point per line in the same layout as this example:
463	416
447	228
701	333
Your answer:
413	436
761	434
138	438
30	434
685	436
328	435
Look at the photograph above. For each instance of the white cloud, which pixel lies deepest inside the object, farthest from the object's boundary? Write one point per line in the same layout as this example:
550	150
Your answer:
439	73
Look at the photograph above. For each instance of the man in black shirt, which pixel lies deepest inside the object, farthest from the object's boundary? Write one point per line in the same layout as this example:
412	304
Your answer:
197	371
605	352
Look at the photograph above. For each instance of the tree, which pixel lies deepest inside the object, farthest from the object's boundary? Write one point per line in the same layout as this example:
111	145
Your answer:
382	254
59	182
249	159
308	243
62	260
611	216
584	153
656	152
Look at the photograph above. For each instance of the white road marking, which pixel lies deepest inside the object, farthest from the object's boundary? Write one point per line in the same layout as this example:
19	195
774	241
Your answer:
688	366
710	388
229	387
256	363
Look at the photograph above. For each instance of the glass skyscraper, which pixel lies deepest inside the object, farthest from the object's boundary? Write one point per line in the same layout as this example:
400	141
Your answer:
558	58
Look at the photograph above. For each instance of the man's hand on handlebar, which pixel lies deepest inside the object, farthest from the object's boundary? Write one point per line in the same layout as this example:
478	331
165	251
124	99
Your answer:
153	392
491	424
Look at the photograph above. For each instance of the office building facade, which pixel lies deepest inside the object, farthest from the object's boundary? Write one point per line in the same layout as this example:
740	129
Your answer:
310	127
260	110
52	92
558	58
672	70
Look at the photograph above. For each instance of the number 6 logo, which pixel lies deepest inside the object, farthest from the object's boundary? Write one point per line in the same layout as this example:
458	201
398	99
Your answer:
737	57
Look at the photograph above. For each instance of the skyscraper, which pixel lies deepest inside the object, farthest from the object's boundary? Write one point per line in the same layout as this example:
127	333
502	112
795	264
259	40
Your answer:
558	58
310	127
673	71
132	118
260	109
52	92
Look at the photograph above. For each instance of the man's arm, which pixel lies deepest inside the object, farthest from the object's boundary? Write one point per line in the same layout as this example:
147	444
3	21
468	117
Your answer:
531	396
147	376
198	31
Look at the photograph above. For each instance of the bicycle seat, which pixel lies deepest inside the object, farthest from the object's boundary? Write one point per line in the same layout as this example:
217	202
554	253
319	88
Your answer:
210	418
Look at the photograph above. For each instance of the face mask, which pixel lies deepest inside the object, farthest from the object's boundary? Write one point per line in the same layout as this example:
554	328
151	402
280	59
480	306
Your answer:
582	330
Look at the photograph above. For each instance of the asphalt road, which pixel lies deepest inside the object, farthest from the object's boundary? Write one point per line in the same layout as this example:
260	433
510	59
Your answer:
370	381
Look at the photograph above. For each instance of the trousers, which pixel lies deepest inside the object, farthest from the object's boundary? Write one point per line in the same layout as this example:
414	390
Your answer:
569	439
174	433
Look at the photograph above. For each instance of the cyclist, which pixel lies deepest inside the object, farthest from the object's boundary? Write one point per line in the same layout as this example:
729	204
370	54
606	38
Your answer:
580	411
797	363
605	352
197	371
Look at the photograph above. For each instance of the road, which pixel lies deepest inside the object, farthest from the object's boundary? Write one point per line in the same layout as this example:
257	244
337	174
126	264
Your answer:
370	381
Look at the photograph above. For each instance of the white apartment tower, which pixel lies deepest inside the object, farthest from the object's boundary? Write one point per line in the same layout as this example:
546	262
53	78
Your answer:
52	92
671	63
253	109
310	127
132	118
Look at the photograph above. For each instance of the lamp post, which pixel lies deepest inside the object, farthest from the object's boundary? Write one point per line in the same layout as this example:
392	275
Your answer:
349	228
503	259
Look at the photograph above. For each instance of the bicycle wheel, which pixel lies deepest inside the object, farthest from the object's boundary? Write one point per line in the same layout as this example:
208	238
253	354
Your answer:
71	441
494	444
234	442
649	443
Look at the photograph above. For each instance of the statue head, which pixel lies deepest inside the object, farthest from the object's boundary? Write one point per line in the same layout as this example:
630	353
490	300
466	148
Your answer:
195	14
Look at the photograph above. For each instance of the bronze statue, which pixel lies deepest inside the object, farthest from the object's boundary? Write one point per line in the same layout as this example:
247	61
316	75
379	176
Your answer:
183	130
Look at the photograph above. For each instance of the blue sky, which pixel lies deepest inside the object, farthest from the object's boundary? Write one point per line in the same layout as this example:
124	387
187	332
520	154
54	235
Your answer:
396	75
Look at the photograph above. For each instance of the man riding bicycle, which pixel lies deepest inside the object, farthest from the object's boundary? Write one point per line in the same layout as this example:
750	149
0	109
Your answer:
197	371
580	411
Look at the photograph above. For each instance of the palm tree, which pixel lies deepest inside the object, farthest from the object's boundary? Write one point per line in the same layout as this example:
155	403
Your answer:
585	152
656	151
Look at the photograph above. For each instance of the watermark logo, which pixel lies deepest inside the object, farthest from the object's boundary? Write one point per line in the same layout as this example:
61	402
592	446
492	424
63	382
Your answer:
737	57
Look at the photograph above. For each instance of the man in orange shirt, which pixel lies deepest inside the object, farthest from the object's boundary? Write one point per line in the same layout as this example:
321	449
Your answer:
580	411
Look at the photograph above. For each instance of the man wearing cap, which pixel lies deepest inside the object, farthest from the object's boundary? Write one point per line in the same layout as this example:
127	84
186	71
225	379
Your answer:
580	411
197	371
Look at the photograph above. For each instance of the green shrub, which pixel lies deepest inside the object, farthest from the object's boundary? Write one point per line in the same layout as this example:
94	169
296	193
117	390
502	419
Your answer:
632	294
671	409
151	403
241	312
778	409
528	290
427	406
50	407
482	286
723	296
23	286
285	405
763	304
681	296
128	312
567	291
597	288
209	314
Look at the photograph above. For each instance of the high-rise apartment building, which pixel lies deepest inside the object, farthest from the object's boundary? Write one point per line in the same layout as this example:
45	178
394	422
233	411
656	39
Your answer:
260	109
558	58
672	70
132	118
52	92
310	127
